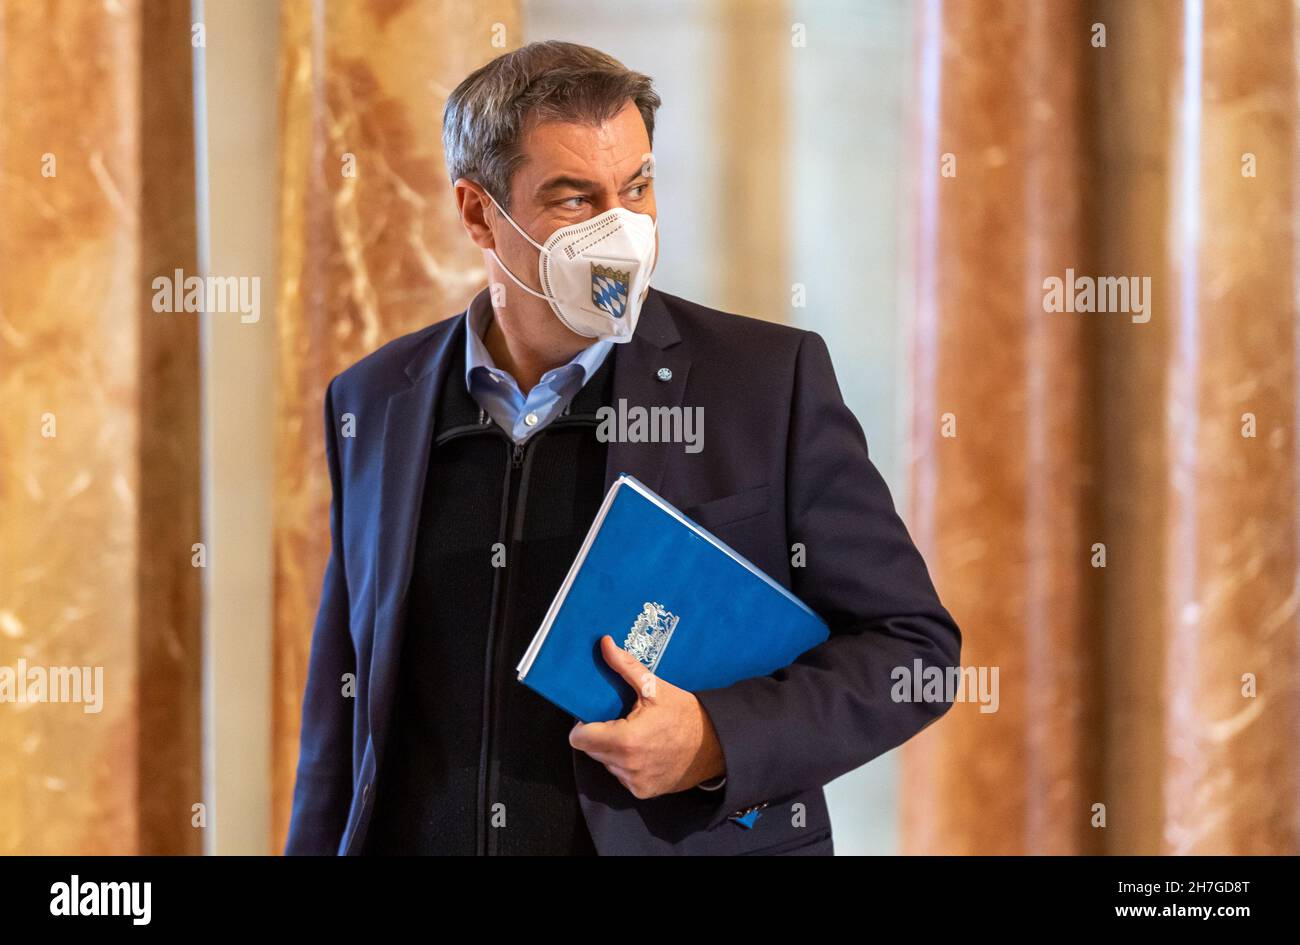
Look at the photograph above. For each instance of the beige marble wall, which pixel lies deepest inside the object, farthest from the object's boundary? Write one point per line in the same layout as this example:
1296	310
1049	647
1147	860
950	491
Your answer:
753	124
98	439
1094	428
241	112
363	257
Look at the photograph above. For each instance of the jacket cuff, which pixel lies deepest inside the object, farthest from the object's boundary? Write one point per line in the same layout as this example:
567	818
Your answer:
738	789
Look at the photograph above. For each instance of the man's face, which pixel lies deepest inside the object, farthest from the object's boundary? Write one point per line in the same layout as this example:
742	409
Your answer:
570	173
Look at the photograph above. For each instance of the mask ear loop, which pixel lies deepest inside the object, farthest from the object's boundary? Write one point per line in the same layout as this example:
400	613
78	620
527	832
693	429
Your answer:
504	267
554	303
542	249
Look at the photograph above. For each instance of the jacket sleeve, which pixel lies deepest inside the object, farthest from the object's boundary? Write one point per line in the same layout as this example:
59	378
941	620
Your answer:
322	793
831	711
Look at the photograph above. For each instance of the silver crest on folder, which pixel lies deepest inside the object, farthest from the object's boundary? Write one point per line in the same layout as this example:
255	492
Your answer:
649	635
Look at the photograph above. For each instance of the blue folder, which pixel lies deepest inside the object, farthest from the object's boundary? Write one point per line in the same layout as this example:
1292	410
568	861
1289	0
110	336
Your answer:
692	610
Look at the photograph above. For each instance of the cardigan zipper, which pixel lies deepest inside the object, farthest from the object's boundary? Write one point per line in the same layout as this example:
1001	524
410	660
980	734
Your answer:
514	493
512	507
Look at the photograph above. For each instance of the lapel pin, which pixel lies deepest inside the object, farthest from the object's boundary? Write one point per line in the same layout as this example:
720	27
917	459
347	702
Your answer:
664	374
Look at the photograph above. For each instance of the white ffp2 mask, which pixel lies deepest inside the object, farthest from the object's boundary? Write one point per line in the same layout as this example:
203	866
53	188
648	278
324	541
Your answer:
595	274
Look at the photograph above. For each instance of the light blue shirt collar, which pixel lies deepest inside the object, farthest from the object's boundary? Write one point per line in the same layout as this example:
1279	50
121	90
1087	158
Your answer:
497	392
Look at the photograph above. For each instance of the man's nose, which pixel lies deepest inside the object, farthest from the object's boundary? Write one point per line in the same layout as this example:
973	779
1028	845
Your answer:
603	203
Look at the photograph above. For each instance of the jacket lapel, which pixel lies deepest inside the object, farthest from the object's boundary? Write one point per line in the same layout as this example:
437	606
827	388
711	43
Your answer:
408	427
637	364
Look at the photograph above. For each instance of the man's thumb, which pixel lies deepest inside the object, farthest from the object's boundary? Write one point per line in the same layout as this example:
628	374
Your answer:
634	673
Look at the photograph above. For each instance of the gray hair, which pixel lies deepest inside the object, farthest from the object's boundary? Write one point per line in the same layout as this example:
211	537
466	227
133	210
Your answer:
554	81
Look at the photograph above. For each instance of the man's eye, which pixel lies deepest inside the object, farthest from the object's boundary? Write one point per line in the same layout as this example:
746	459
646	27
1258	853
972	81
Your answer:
637	192
569	203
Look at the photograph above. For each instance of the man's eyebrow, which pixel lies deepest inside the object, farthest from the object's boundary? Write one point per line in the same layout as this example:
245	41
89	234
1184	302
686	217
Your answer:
639	172
567	183
579	183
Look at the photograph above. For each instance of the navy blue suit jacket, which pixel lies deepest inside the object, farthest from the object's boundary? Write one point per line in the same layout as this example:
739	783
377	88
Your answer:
784	462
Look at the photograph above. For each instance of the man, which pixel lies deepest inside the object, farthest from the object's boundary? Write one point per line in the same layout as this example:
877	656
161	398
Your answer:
475	469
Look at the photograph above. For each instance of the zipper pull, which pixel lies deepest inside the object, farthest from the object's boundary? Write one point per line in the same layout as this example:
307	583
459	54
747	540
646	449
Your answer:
519	455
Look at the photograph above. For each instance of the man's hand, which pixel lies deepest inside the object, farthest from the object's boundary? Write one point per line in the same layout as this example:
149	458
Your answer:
666	743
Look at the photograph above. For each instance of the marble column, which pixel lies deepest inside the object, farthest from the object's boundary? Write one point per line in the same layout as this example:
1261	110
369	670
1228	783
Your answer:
1001	431
1132	100
370	248
1232	683
99	486
1179	133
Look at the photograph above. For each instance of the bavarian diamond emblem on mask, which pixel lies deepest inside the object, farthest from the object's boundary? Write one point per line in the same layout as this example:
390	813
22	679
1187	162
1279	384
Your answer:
649	635
609	288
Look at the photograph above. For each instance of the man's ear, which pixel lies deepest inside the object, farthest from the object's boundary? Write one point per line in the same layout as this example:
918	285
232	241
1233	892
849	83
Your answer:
472	204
